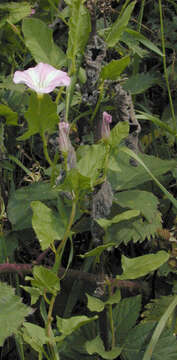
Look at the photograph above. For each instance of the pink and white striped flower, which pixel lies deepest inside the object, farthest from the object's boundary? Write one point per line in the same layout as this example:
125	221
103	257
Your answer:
43	78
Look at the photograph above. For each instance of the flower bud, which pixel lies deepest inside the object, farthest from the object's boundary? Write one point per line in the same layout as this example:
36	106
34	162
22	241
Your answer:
105	127
64	141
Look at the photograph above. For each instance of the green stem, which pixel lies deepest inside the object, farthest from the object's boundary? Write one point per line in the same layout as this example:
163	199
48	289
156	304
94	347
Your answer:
61	246
98	102
111	319
165	67
45	149
59	94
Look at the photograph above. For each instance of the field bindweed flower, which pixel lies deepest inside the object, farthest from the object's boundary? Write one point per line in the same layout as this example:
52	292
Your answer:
105	127
43	78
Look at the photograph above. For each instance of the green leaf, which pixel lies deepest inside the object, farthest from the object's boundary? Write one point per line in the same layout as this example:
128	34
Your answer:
131	176
144	201
12	312
137	84
125	315
13	12
76	182
67	326
96	346
91	160
156	308
113	70
119	26
45	280
19	209
79	29
10	116
41	115
138	159
35	336
126	215
158	330
119	132
97	251
146	42
142	265
39	40
46	224
34	292
95	304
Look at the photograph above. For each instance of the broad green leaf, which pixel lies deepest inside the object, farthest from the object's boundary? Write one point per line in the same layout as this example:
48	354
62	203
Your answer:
118	133
156	308
46	224
125	315
12	312
35	336
137	84
142	265
13	12
76	182
96	346
119	26
91	160
45	280
39	40
41	115
8	245
126	215
79	29
144	201
19	209
113	70
138	159
67	326
10	116
146	42
130	176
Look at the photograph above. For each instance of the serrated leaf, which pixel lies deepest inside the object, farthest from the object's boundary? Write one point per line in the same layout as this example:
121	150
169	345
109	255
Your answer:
96	346
156	308
119	26
137	84
19	209
113	70
46	224
41	116
39	40
12	312
142	265
67	326
10	115
143	201
126	215
79	29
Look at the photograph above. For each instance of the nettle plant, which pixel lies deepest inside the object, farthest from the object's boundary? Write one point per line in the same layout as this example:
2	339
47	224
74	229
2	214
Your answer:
94	186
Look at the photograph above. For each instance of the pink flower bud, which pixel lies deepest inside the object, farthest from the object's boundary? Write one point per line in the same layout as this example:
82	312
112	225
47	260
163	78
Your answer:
64	141
105	127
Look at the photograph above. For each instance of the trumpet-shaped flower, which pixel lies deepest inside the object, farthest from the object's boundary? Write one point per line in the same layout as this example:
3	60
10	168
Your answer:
105	127
43	78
